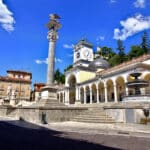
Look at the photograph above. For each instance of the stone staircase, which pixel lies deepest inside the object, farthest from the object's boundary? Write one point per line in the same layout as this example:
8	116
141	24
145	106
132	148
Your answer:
93	115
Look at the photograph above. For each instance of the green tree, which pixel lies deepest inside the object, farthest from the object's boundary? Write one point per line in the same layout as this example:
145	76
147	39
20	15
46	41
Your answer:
106	52
145	43
59	77
114	60
135	51
122	56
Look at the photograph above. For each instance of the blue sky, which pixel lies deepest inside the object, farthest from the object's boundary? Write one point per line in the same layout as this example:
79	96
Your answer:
23	42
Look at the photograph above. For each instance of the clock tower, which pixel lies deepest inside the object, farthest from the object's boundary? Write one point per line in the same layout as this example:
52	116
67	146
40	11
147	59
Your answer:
83	53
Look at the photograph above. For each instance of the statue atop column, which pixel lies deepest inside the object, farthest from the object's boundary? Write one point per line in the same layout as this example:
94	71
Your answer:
53	25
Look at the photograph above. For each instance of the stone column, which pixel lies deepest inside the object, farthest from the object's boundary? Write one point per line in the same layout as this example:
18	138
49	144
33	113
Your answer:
52	36
97	92
84	95
79	92
67	96
53	25
77	95
90	95
63	97
115	93
105	90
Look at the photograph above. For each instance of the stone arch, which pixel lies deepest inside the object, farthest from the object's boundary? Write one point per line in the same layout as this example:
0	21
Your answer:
87	88
58	97
61	97
94	93
82	95
147	78
72	89
120	86
101	92
64	97
110	90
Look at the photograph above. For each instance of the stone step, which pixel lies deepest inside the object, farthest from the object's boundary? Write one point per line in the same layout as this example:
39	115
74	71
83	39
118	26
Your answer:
96	115
92	117
94	121
93	113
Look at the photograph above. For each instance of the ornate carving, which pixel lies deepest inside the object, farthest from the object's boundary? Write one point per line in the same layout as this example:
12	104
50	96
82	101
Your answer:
52	35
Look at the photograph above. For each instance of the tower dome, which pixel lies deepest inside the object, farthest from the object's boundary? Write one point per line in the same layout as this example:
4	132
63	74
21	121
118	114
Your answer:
99	63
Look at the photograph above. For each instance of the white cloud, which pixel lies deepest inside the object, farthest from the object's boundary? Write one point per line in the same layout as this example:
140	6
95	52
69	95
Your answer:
131	26
67	46
70	55
6	17
100	38
113	1
45	61
139	3
58	60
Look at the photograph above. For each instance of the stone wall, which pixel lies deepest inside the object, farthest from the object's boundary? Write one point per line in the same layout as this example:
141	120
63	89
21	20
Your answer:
35	114
126	115
117	114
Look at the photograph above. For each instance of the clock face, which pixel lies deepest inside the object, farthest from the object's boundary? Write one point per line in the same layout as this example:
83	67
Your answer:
87	54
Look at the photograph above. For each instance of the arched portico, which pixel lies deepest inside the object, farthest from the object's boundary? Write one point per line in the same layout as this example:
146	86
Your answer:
87	94
72	89
58	97
61	97
120	87
94	93
101	92
82	95
110	90
147	78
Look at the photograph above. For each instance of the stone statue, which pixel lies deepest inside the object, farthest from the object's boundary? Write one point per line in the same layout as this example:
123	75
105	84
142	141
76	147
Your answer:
9	91
13	94
53	24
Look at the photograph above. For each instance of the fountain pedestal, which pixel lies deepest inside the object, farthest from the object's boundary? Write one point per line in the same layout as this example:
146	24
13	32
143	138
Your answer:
137	84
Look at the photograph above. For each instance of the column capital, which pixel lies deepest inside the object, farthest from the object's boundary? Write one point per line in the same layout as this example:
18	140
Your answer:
52	36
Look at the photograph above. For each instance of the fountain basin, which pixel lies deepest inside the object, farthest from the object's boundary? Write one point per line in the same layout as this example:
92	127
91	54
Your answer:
137	83
136	98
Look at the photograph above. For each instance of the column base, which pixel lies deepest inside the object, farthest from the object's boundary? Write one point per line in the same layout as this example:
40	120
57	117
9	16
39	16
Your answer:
77	102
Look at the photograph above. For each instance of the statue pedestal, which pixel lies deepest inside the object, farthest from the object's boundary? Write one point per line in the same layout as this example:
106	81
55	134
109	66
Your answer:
49	92
49	97
12	102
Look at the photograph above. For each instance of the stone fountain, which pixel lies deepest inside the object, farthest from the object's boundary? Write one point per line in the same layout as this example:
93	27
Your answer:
136	85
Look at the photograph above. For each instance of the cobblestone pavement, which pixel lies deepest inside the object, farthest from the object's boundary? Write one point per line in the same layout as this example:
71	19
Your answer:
100	128
75	135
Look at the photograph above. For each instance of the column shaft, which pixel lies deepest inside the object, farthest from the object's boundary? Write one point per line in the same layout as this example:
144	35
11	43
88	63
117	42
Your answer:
106	96
51	62
90	96
115	93
84	96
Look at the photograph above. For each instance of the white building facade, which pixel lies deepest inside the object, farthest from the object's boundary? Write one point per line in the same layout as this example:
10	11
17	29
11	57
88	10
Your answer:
93	81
